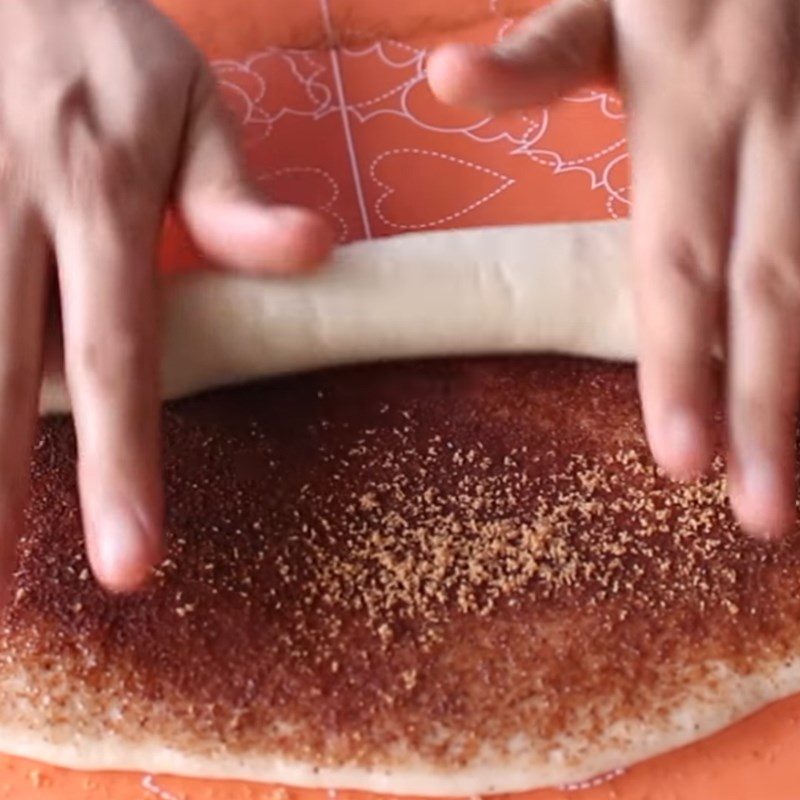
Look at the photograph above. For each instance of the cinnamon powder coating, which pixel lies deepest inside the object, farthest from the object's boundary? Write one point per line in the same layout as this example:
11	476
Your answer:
430	556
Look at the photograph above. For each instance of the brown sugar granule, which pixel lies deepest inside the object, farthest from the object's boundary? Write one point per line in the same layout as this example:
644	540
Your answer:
373	556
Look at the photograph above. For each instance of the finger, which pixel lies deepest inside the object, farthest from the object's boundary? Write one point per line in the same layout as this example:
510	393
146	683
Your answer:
23	260
222	211
765	331
566	44
105	240
681	229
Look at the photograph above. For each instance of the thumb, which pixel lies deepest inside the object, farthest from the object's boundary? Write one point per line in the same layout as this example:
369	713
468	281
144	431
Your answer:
567	43
225	216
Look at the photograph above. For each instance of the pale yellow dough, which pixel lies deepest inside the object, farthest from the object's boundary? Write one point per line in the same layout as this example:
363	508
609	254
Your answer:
541	288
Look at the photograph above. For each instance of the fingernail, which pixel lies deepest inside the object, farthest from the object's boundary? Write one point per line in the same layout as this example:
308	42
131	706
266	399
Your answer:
761	480
764	490
124	550
685	439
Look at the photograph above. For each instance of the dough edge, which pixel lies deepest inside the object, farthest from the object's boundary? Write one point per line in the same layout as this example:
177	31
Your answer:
699	715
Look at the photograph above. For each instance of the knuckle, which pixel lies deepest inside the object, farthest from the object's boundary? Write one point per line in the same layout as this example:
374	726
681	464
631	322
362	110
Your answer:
66	107
774	408
112	362
690	263
726	79
100	174
98	168
552	48
768	280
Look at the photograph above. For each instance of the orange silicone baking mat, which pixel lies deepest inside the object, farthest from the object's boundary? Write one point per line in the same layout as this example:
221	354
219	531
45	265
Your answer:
354	132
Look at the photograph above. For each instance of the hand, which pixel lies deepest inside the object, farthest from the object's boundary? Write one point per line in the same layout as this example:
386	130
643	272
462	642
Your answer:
108	116
713	87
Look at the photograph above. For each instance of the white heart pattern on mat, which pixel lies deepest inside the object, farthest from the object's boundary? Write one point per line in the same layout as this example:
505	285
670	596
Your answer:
311	187
448	197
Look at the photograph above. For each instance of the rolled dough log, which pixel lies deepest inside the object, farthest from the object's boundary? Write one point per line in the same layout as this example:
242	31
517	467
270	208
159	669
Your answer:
541	288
